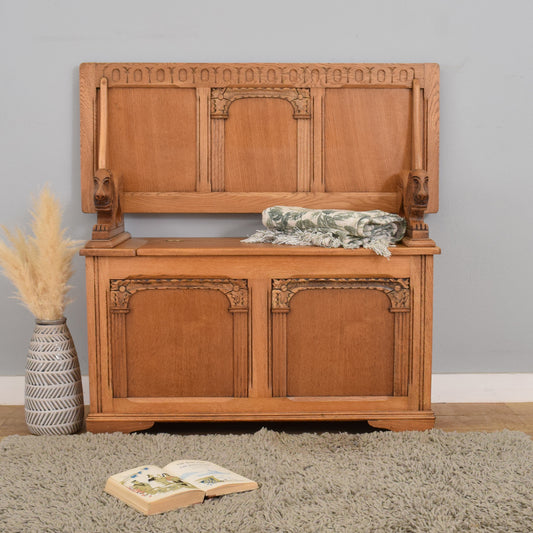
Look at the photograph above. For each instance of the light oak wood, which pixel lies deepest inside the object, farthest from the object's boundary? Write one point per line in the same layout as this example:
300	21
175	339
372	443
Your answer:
417	188
367	139
431	105
178	360
214	329
102	130
252	202
88	134
202	113
202	246
154	150
460	417
418	147
317	147
238	75
416	197
348	128
109	228
340	343
260	142
388	391
107	188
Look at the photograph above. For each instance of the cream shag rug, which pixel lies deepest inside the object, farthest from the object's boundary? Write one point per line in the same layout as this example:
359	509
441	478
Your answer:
382	482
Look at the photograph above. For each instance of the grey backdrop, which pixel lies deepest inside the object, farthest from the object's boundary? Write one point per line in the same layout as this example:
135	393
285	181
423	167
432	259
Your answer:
483	289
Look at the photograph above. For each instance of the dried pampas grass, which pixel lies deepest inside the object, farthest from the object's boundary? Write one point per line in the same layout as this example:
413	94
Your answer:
40	265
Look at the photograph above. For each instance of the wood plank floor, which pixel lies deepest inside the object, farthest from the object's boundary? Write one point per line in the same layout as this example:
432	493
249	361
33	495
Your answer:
450	417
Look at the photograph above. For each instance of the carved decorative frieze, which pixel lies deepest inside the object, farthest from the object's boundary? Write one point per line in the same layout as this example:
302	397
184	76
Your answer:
121	290
397	289
223	97
252	74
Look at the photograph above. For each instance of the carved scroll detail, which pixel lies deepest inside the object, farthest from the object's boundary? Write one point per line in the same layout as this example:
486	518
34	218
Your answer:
415	203
121	290
222	98
397	289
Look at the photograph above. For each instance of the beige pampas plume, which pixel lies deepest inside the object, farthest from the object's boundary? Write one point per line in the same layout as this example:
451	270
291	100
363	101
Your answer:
40	265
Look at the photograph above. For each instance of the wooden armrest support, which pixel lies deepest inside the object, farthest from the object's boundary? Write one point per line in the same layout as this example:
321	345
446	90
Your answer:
415	203
109	228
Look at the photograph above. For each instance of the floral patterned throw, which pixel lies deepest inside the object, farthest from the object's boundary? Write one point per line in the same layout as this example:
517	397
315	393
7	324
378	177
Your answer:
331	228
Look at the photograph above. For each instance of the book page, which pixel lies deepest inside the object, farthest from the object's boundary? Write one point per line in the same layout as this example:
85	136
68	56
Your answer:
203	474
151	482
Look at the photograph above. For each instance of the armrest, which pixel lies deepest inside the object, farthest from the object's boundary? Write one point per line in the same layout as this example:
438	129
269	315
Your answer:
109	228
415	203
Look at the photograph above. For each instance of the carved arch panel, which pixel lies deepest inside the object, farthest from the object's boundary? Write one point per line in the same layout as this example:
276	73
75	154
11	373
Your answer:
199	308
291	146
395	317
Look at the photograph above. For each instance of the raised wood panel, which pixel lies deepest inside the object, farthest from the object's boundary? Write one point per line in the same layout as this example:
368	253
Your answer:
367	139
260	146
163	331
340	343
165	140
153	138
169	347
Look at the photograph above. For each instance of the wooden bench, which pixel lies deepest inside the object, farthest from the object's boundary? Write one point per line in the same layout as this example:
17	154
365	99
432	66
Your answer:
213	329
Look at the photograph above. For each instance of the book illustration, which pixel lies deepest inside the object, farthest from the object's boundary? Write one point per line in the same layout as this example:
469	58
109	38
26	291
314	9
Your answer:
209	477
204	473
149	484
209	480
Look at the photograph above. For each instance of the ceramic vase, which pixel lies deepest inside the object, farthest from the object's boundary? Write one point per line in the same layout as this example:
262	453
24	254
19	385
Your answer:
53	392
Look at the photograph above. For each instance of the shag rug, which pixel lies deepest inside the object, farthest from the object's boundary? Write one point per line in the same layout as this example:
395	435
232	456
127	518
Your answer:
428	481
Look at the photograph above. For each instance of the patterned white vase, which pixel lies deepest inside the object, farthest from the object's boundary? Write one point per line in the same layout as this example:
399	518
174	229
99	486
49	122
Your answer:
53	391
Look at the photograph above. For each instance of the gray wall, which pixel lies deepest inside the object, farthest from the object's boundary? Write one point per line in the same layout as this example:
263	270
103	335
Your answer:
483	292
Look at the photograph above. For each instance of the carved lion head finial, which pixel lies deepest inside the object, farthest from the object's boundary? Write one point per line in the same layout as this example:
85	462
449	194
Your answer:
106	197
415	204
417	188
104	190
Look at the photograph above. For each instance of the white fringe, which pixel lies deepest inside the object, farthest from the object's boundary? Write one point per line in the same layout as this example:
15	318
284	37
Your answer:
298	237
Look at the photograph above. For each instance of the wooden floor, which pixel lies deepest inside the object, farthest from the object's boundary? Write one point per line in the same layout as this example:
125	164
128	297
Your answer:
450	417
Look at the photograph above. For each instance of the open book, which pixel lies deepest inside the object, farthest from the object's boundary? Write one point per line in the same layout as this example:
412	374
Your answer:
152	490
